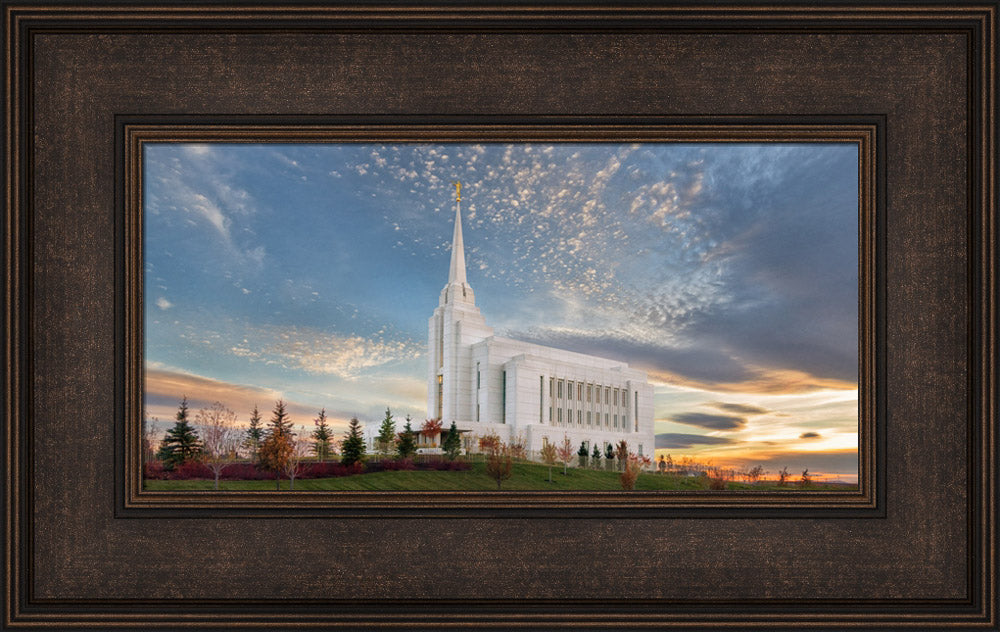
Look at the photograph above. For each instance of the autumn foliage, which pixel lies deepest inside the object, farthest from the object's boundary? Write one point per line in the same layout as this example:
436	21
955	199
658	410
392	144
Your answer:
499	462
633	465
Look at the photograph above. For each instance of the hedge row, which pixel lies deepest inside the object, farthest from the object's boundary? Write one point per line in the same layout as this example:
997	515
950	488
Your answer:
154	470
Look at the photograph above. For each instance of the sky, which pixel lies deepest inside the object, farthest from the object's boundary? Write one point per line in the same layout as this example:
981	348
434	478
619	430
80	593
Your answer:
727	271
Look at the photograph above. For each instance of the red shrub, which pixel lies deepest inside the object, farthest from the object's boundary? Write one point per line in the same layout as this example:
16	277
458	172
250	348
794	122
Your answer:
189	470
153	470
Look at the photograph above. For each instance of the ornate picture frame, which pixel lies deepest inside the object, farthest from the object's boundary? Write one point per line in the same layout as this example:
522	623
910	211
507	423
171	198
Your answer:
86	548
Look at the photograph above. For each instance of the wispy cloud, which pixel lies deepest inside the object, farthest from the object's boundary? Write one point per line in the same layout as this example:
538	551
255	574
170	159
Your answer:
675	440
321	352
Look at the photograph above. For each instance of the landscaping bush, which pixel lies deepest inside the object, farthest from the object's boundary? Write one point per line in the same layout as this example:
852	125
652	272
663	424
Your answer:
155	470
716	484
331	470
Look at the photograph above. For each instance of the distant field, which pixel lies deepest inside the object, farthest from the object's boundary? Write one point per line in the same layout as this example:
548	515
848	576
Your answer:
526	476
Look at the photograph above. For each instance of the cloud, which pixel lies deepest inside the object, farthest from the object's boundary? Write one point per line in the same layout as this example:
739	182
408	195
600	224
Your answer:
319	352
809	435
163	303
164	388
711	422
195	183
744	409
675	440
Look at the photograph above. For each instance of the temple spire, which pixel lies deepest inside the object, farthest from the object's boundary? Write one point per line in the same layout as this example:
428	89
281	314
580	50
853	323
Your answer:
456	274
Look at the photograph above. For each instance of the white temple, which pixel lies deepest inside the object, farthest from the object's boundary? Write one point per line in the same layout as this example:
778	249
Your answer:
486	383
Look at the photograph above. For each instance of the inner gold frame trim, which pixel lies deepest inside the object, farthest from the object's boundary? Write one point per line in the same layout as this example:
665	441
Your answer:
133	501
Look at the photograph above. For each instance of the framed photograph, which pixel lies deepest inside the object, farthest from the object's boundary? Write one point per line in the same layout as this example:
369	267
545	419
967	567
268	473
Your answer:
421	316
625	244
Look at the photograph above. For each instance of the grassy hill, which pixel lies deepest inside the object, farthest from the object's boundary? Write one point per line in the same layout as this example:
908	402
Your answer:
526	476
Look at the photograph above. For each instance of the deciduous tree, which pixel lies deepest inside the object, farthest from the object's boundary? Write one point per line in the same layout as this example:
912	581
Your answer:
431	428
499	463
783	476
549	456
634	464
148	437
275	451
621	452
221	437
296	459
565	452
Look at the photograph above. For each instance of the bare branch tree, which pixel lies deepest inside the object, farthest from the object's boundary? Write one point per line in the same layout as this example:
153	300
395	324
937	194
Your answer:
220	436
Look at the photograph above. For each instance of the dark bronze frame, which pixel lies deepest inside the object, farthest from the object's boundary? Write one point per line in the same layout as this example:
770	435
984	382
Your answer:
70	335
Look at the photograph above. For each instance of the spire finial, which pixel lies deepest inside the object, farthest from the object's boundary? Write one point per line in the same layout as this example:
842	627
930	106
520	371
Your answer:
457	272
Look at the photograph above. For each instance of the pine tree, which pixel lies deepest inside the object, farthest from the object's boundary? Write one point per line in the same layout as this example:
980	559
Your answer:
407	445
595	457
352	450
321	437
255	434
181	443
452	443
280	422
386	433
582	454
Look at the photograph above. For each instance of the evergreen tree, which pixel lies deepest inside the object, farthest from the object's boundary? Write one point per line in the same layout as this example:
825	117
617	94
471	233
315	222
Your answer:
181	443
280	422
595	457
407	445
582	454
609	456
386	433
452	443
255	435
352	450
321	437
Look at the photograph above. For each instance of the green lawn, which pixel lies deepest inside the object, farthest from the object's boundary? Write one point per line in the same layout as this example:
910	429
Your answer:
526	476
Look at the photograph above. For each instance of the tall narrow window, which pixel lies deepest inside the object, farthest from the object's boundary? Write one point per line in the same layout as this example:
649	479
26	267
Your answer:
635	410
597	395
559	415
569	390
479	377
579	391
541	399
560	388
440	397
579	417
477	411
607	424
503	399
607	394
590	393
589	423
